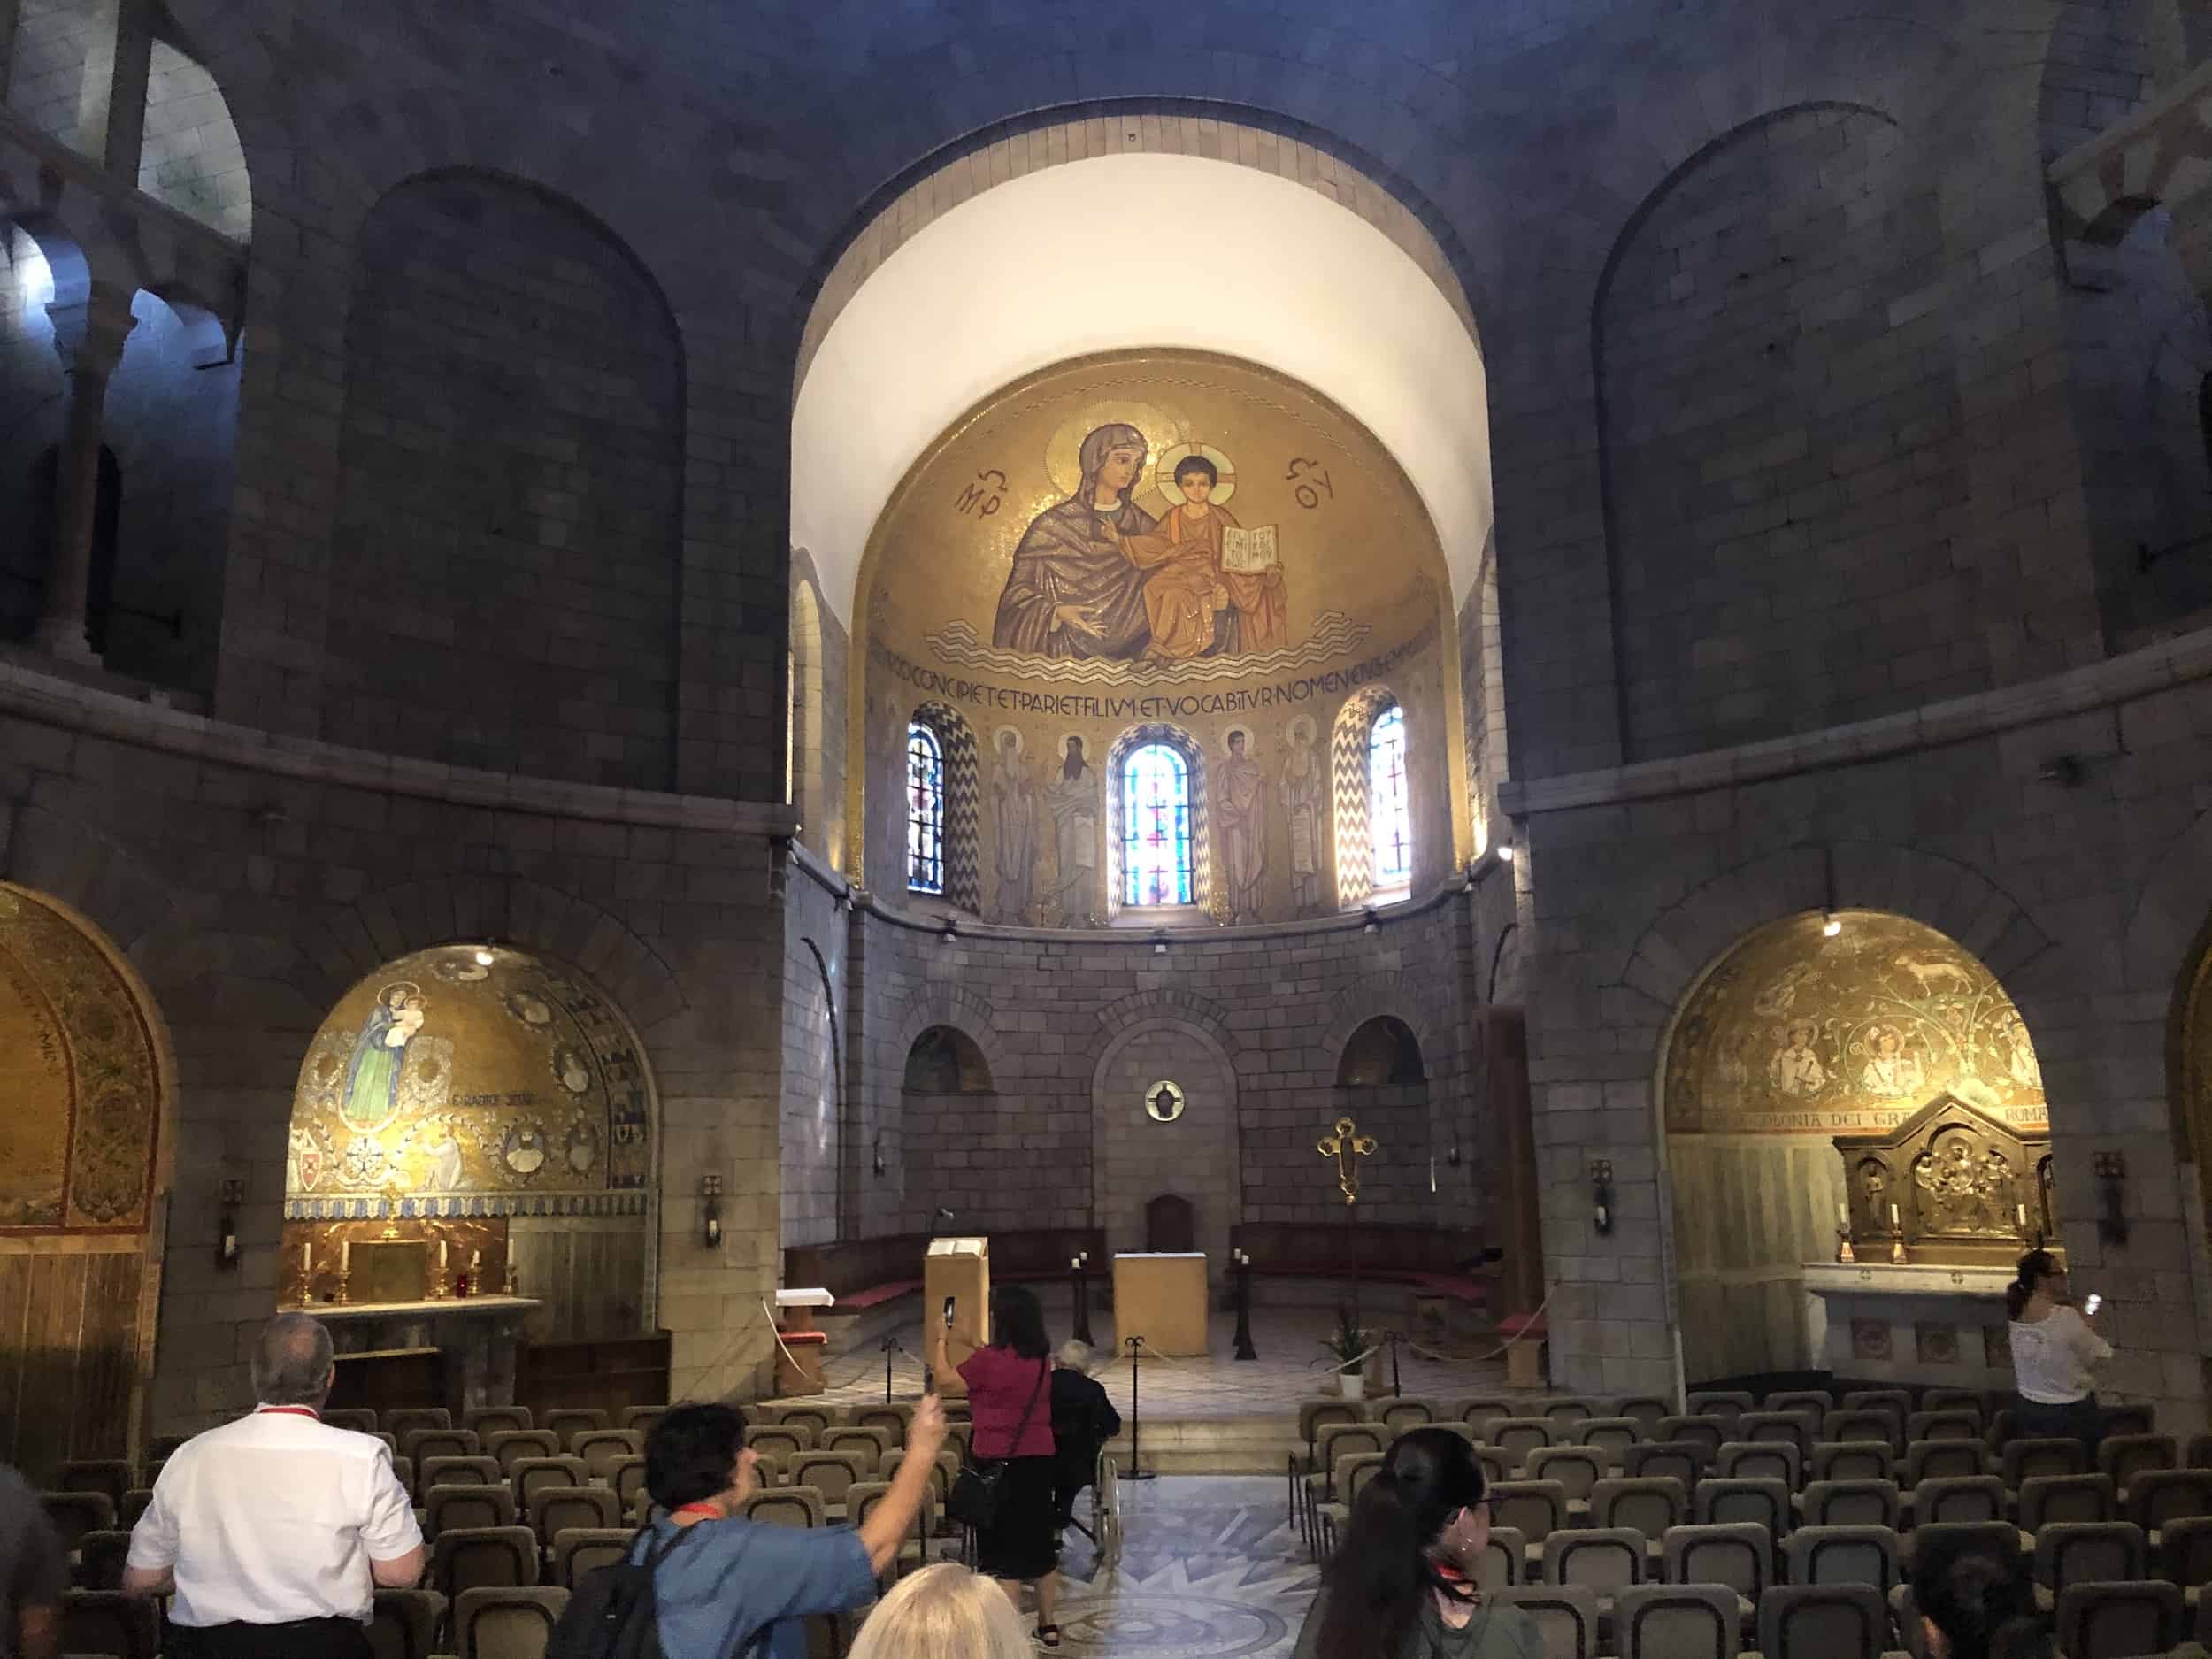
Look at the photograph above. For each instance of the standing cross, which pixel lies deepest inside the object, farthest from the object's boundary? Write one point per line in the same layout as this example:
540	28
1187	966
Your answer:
1343	1145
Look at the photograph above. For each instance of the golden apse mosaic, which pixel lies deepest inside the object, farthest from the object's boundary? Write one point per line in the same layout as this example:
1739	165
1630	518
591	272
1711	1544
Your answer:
1797	1033
77	1141
1169	541
469	1081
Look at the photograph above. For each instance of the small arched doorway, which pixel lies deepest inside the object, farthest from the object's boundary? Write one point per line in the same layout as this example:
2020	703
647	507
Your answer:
1809	1028
83	1157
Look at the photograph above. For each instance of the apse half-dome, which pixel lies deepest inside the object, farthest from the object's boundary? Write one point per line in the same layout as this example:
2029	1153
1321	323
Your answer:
469	1081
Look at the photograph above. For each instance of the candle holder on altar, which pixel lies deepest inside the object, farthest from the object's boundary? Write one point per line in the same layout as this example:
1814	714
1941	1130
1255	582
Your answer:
1843	1252
1897	1257
512	1285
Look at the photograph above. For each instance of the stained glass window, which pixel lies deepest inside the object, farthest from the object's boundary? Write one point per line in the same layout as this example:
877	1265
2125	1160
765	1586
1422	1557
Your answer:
924	810
1155	827
1389	822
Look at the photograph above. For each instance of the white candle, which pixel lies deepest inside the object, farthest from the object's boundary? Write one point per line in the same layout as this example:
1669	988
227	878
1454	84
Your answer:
1892	1215
307	1263
2023	1210
345	1256
1075	1264
1843	1214
1432	1175
441	1259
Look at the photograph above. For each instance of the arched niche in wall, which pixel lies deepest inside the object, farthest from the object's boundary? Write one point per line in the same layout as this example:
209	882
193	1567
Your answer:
2189	1066
1793	1037
481	1106
507	552
84	1153
1141	1152
1046	569
945	1060
1382	1053
809	715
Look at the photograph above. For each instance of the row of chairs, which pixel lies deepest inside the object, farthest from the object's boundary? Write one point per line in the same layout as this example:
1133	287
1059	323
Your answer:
566	1422
1824	1621
503	1623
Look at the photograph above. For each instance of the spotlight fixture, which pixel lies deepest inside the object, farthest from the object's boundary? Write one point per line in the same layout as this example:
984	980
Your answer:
710	1219
877	1162
1602	1195
950	935
483	956
230	1195
1373	924
1505	852
1159	944
1831	925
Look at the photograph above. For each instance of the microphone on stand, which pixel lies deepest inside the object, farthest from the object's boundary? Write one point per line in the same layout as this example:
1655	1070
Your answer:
943	1218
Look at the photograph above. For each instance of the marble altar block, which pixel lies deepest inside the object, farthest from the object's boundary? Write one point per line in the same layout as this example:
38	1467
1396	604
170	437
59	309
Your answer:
1873	1321
477	1336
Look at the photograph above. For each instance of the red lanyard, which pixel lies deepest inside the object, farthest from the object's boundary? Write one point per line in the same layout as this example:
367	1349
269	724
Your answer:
706	1510
291	1411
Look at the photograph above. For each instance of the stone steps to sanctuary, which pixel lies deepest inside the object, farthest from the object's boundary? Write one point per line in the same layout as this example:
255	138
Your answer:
1213	1446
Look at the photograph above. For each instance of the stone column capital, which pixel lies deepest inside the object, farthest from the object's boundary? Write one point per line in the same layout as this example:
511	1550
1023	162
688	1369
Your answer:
89	334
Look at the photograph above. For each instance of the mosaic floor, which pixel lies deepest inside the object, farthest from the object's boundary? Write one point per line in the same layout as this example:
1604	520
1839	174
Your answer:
1215	1387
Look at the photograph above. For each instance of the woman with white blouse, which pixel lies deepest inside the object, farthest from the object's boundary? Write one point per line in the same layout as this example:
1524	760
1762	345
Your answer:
2056	1351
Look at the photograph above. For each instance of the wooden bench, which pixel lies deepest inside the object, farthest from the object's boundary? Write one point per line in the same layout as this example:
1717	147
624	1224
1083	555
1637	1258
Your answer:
1441	1266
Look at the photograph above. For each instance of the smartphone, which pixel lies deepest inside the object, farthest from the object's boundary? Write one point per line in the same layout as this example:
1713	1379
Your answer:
2091	1306
948	1313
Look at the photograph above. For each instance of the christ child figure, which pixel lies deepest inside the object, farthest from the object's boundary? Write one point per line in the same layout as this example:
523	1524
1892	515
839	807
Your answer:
1187	594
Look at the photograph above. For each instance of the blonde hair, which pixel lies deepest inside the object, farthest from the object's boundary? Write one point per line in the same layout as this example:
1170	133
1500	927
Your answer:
1075	1356
943	1612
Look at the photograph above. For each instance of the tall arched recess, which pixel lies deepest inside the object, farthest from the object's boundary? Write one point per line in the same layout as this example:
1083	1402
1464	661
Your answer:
507	557
85	1150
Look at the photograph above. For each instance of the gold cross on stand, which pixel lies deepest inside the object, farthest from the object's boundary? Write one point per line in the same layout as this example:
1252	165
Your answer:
1344	1144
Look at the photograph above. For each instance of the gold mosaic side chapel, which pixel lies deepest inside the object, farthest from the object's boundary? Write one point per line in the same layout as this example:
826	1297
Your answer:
1800	1034
77	1140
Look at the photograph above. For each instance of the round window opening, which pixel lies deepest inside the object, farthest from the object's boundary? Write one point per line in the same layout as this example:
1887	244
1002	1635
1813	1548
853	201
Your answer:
1163	1102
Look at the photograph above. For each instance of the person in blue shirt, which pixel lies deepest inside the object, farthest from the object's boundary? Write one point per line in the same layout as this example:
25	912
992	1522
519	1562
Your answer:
738	1580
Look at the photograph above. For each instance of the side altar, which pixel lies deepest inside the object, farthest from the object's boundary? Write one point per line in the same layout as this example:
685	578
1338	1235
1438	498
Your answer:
1936	1214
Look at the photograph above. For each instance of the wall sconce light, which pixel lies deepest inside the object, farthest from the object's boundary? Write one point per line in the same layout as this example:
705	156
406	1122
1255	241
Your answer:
710	1222
1451	1155
876	1159
950	935
1602	1195
230	1195
1505	852
1159	944
1831	925
844	900
2111	1171
1373	924
483	955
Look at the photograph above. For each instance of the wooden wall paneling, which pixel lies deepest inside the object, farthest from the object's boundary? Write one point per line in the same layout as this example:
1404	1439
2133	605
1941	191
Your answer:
15	1348
53	1325
107	1356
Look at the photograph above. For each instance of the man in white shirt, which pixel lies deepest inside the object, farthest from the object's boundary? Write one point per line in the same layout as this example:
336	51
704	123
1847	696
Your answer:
270	1531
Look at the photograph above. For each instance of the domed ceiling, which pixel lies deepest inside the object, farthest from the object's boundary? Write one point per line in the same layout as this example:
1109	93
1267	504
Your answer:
469	1081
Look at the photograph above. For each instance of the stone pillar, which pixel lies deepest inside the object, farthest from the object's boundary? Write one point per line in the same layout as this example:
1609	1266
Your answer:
10	10
111	100
90	337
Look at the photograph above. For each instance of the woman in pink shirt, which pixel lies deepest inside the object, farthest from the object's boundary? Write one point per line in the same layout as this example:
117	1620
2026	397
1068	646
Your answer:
1010	1378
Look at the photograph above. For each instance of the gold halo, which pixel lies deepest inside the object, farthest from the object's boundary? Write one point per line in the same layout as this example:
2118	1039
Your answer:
1239	730
1063	452
1016	732
1302	723
1163	473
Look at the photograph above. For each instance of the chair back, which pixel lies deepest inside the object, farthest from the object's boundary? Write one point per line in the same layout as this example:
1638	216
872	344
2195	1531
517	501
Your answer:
460	1471
135	1504
509	1445
863	1496
893	1419
1353	1473
1339	1440
76	1513
1851	1503
1739	1555
1611	1437
785	1506
1897	1400
555	1510
1776	1425
403	1623
643	1418
1535	1509
2030	1459
1760	1460
421	1445
1819	1400
488	1420
2078	1499
603	1448
871	1443
1676	1621
1674	1460
1408	1412
1862	1424
444	1508
1518	1437
570	1421
507	1623
1998	1540
1709	1433
1944	1425
1566	1411
476	1557
2124	1456
109	1622
1823	1621
2185	1551
403	1420
830	1473
1759	1500
1958	1501
1852	1460
1650	1504
817	1420
110	1476
2156	1497
1608	1559
1505	1560
1577	1468
1647	1410
360	1419
100	1558
2113	1620
1728	1403
1954	1400
1482	1412
1843	1555
1316	1414
1565	1617
782	1442
2136	1419
578	1550
1944	1460
627	1479
2198	1453
533	1475
2087	1552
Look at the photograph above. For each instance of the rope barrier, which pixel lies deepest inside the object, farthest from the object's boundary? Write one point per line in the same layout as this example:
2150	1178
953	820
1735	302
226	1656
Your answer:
1480	1359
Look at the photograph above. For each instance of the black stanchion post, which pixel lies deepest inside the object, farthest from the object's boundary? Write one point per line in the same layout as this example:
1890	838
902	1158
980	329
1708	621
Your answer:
890	1347
1136	1417
1080	1266
1395	1388
1245	1350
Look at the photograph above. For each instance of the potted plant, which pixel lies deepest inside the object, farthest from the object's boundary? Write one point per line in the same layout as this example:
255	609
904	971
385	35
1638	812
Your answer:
1347	1348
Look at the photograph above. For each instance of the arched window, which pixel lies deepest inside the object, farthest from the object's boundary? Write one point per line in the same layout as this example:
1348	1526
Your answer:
1389	821
924	810
1155	837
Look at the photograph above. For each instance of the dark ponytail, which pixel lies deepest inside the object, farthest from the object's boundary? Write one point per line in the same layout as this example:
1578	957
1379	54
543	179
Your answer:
2034	1265
1374	1585
1982	1607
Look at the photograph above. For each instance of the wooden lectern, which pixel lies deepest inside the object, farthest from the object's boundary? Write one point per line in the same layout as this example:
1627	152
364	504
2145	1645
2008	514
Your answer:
961	1269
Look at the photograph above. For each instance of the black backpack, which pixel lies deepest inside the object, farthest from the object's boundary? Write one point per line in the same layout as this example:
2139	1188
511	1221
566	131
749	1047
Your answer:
612	1614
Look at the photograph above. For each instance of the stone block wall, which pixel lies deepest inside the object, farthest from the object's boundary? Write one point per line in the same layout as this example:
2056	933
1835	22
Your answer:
814	1144
192	159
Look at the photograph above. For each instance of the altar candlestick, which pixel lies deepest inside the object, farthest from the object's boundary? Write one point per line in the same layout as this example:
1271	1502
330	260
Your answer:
345	1256
441	1259
307	1257
2022	1211
1843	1214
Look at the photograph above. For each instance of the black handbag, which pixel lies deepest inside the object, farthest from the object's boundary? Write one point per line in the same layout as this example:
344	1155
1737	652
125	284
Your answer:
979	1487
